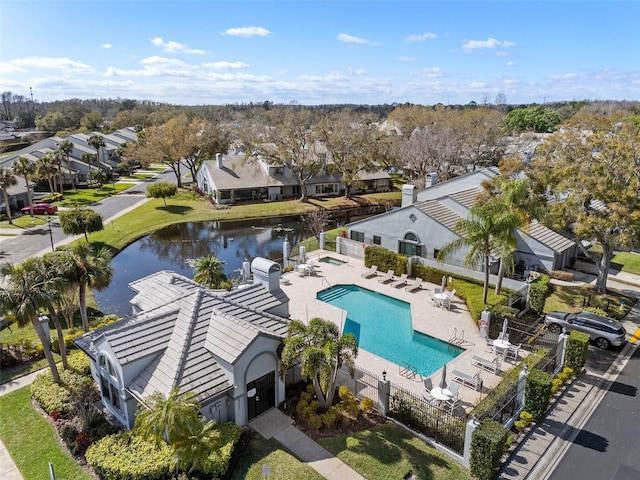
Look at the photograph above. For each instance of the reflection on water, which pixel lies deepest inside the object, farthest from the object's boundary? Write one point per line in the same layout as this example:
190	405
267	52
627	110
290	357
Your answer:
171	248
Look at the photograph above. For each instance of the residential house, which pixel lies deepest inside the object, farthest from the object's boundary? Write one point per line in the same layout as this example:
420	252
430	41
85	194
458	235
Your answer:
427	218
221	346
230	179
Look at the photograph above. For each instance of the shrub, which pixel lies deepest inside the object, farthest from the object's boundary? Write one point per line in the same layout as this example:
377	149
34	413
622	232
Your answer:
125	455
538	292
561	275
81	443
385	260
577	347
525	420
488	443
218	461
79	363
537	393
51	396
366	405
556	385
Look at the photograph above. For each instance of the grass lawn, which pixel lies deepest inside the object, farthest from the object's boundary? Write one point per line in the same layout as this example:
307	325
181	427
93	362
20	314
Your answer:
86	196
388	451
630	262
575	298
31	441
284	466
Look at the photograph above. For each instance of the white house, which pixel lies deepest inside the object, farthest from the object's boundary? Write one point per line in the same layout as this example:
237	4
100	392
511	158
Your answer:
222	346
426	220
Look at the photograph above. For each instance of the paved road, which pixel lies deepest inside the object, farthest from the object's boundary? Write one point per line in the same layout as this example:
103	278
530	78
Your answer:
607	445
35	241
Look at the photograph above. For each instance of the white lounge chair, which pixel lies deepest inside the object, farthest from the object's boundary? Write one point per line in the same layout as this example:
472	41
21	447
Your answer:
387	277
400	282
372	272
512	353
492	366
466	379
416	285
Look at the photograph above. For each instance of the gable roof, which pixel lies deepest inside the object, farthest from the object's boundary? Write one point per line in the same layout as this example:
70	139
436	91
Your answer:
187	329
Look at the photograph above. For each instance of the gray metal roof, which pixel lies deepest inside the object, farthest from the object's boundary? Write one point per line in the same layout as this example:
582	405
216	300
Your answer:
187	327
439	212
548	237
237	173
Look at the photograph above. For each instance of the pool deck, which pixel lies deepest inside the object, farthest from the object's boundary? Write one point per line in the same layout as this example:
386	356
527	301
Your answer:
428	319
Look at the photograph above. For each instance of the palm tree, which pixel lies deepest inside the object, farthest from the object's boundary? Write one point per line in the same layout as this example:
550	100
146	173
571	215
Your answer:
66	147
208	271
193	450
46	168
7	179
24	168
87	268
52	268
485	229
97	141
169	418
27	293
322	351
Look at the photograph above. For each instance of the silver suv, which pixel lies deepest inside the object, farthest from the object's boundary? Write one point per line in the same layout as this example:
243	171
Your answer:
604	332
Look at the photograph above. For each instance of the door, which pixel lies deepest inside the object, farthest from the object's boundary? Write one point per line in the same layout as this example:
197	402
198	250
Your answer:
261	395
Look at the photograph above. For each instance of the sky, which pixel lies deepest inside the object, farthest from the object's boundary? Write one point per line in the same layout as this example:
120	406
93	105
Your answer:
311	52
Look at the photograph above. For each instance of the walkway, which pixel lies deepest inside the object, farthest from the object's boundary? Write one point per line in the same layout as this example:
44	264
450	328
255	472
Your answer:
277	425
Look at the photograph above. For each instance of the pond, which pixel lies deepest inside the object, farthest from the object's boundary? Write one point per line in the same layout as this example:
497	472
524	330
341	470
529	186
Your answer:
171	248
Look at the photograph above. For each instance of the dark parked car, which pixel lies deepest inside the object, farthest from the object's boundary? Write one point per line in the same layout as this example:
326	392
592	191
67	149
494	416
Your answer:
603	331
40	208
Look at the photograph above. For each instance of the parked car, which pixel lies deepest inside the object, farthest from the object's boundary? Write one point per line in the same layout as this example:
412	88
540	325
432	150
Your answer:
603	331
40	208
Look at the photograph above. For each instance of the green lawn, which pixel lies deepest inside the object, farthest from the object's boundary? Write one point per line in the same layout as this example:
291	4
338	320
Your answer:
31	441
388	451
86	196
575	298
284	466
630	262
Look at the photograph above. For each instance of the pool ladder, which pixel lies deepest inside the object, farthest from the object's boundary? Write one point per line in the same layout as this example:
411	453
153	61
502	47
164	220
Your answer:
455	341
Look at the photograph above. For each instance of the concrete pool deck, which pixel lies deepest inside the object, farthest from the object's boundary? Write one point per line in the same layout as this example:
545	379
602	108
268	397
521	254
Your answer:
428	319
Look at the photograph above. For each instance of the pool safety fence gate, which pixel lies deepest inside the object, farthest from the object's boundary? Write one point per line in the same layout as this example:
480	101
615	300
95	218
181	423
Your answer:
421	416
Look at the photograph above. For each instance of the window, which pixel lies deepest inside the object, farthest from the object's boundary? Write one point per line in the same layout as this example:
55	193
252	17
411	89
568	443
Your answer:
377	240
410	245
109	383
357	236
436	251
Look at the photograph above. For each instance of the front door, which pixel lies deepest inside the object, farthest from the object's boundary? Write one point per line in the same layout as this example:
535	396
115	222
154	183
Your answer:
261	395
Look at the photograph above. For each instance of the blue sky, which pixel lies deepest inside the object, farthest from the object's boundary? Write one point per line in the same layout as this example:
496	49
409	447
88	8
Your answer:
315	52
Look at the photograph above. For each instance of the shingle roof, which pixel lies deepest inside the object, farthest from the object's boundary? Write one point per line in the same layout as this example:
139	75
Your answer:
439	213
548	237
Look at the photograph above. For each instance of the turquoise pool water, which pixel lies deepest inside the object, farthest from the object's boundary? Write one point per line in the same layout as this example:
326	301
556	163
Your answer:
383	327
332	261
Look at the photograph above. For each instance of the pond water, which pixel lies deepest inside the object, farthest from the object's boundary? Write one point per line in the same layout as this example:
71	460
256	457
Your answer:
171	248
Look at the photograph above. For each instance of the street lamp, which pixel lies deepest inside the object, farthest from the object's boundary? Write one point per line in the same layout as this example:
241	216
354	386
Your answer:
50	233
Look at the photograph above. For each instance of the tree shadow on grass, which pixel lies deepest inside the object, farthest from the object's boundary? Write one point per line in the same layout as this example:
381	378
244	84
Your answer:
175	209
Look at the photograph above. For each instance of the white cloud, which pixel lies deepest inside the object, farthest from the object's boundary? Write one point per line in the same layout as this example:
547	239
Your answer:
10	67
343	37
247	32
53	63
106	45
405	59
510	63
420	38
488	43
358	71
225	65
156	67
174	47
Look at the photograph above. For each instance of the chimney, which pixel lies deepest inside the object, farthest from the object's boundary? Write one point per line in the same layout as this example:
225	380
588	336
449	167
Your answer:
409	194
431	179
219	160
266	272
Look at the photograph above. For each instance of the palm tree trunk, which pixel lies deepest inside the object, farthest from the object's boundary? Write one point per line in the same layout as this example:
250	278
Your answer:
82	294
501	271
485	290
61	342
6	204
46	346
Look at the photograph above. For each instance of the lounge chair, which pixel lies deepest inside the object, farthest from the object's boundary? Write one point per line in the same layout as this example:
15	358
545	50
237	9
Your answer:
387	277
466	379
400	282
492	366
512	353
416	285
488	344
372	272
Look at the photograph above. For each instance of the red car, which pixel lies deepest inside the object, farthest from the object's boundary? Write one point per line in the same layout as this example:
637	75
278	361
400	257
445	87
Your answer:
40	208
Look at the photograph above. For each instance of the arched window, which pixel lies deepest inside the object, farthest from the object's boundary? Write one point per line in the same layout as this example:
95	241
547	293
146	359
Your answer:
410	245
109	383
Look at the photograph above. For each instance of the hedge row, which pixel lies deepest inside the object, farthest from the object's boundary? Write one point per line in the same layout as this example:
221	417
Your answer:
488	443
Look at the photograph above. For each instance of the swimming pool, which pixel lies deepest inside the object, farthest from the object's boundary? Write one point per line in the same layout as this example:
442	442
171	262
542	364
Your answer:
382	325
332	261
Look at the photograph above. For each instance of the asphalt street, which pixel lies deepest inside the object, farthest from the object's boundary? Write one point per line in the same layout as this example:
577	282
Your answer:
606	447
35	241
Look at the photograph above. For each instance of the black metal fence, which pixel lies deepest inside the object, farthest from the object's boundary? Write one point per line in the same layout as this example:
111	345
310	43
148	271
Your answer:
418	414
